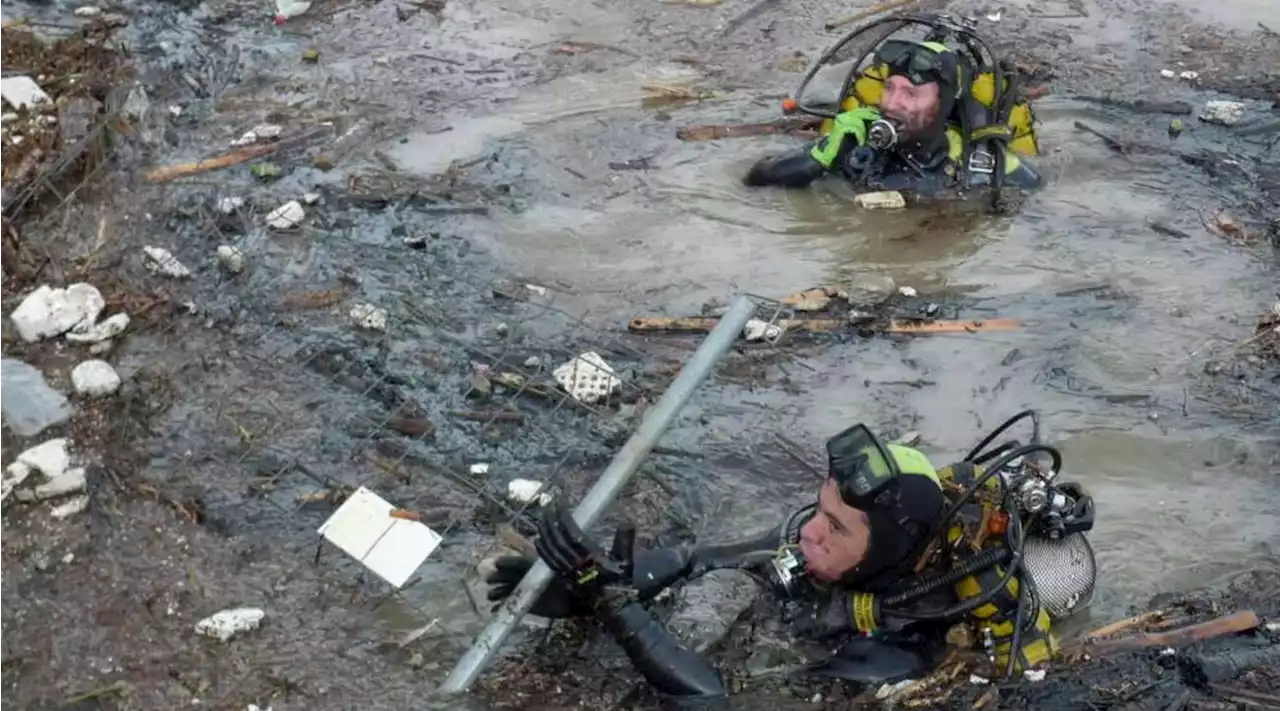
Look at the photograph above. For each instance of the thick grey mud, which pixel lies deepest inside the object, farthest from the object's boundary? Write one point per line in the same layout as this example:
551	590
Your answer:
470	147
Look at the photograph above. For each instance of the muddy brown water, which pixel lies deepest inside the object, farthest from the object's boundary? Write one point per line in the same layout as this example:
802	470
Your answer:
1184	477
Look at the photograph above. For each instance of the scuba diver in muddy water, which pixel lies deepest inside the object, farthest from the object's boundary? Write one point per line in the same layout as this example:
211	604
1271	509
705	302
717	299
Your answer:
936	117
893	562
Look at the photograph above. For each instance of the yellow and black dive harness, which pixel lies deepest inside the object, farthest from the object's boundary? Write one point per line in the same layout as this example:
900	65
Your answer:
981	96
1009	545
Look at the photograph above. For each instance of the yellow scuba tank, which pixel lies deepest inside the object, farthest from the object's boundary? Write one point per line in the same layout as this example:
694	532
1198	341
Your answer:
869	85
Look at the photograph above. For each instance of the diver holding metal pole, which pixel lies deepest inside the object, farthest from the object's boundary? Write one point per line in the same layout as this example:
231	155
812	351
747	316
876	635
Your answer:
893	561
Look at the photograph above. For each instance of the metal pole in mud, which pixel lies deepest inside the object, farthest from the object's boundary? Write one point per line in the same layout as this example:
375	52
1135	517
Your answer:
654	424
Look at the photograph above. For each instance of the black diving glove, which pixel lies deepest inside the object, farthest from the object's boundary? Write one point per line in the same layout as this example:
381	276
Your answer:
587	570
652	571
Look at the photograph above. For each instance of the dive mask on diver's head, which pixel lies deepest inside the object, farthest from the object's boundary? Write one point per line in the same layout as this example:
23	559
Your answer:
864	471
920	63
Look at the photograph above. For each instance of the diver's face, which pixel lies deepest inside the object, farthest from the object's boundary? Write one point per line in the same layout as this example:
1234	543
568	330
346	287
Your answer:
835	540
913	106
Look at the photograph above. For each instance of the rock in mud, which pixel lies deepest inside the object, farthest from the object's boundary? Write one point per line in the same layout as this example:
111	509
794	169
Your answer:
286	216
1226	113
29	404
99	332
53	460
871	290
95	378
231	259
229	623
369	317
708	607
51	312
161	261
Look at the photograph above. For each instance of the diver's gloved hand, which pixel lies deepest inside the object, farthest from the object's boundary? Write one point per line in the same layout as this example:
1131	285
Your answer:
586	569
556	601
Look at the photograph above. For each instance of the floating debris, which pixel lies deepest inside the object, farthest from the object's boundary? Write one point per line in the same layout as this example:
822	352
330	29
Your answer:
367	528
30	405
70	507
260	132
527	491
369	316
228	623
228	205
231	259
480	468
102	331
884	200
757	330
161	261
22	92
587	378
1226	113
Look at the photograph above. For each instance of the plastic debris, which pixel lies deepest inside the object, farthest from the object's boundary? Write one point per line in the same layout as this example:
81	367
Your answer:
587	378
908	291
228	205
480	468
228	623
231	258
22	91
286	216
1189	75
526	491
884	200
369	316
887	690
161	261
393	548
95	378
52	312
757	330
1168	652
1034	675
1226	113
102	331
311	198
1168	73
87	11
260	132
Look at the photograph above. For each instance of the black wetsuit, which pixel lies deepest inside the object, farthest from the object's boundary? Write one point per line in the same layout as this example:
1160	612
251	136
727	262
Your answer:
678	672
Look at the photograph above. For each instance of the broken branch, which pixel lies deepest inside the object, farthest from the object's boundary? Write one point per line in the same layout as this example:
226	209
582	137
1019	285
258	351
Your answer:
1126	623
1112	143
711	132
1231	624
704	324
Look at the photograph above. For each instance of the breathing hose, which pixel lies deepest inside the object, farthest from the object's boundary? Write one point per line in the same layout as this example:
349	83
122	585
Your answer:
1035	434
976	564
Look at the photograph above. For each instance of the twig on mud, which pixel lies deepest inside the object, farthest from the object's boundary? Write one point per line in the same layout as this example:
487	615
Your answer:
1271	700
1167	230
873	10
489	416
1127	623
1112	143
240	155
794	451
117	688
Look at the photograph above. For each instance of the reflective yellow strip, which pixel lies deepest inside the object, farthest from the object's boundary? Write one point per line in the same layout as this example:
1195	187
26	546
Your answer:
864	611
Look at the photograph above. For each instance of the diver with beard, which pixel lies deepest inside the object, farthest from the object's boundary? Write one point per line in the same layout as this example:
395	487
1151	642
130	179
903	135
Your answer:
923	117
894	561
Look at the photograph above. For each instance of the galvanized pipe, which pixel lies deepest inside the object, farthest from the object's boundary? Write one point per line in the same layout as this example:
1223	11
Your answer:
654	424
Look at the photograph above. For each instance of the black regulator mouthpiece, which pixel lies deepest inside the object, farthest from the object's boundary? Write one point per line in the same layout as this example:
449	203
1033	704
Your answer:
883	133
